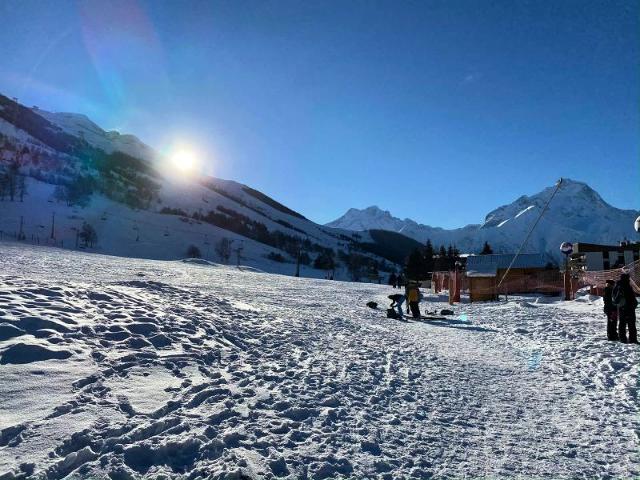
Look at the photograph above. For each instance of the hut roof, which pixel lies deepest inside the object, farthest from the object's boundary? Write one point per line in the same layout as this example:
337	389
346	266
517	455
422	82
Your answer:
488	265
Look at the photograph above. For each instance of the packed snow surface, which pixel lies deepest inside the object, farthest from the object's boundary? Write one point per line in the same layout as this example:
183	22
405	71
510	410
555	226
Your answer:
120	368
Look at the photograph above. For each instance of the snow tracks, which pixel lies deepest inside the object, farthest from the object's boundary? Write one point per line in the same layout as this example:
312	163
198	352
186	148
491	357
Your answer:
196	372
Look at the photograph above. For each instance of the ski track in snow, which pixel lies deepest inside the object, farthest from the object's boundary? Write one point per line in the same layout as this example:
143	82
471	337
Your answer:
120	368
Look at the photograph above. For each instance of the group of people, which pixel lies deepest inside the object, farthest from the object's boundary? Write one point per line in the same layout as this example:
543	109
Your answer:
620	305
412	296
396	281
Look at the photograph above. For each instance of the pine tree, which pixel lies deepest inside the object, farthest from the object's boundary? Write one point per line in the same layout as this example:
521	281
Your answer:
486	249
416	265
428	256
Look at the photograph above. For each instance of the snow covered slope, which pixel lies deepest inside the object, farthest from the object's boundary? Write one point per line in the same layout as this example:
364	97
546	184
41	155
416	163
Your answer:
81	126
127	368
577	213
139	208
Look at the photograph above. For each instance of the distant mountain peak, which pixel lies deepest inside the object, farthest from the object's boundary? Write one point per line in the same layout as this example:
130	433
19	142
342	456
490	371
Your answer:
577	213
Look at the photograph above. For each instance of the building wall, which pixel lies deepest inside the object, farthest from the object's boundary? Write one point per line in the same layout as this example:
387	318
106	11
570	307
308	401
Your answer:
606	257
481	289
519	280
595	261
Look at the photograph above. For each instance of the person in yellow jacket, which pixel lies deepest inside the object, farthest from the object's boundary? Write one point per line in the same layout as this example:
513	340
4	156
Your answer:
413	299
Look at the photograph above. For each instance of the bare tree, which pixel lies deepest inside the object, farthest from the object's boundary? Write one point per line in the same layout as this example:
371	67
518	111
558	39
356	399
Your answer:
22	187
88	235
223	249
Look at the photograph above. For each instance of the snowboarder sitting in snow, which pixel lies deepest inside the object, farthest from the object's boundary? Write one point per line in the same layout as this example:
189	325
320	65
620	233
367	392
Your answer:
396	302
611	312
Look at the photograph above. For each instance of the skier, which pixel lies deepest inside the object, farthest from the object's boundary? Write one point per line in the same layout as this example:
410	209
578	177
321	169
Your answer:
396	302
611	312
393	280
624	299
413	296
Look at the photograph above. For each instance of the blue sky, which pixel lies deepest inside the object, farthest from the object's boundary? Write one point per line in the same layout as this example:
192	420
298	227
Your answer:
435	110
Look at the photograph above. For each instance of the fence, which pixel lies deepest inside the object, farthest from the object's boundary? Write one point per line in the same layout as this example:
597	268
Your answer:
597	279
544	281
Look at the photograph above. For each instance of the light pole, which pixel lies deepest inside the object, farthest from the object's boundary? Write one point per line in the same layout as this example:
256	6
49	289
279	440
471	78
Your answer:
567	249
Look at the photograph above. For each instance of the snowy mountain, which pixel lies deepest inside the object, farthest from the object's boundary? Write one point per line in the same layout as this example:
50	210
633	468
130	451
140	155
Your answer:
81	126
577	213
75	173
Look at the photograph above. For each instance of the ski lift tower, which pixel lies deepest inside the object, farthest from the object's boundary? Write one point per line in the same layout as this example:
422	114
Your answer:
567	249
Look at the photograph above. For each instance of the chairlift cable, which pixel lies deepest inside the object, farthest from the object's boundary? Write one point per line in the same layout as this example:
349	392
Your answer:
513	260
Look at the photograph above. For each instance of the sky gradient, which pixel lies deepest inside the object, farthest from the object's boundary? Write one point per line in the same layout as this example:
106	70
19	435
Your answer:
435	110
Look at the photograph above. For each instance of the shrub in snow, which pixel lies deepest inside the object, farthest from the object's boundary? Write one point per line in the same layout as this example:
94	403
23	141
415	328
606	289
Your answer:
193	252
276	257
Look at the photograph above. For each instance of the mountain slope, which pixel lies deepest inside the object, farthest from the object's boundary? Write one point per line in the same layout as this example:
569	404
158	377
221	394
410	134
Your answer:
577	213
73	169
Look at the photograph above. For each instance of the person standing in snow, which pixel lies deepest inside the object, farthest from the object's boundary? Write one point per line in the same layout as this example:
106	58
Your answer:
400	280
413	297
624	298
393	280
396	302
611	312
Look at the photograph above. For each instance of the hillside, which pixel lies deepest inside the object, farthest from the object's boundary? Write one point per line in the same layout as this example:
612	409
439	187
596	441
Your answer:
65	165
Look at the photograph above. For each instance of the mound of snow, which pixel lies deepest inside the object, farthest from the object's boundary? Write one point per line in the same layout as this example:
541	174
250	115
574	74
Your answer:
28	353
199	261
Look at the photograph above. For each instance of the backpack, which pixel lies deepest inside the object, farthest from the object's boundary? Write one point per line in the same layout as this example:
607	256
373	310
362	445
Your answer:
373	305
617	296
391	313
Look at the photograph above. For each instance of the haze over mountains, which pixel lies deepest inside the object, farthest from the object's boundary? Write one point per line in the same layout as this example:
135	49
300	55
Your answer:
577	214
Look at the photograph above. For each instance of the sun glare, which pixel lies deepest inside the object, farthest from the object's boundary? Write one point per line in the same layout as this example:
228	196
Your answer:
184	160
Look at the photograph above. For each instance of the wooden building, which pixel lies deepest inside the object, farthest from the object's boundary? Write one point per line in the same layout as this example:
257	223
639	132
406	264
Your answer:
527	275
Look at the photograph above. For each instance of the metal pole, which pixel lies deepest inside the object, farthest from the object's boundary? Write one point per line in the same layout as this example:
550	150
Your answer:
530	232
53	224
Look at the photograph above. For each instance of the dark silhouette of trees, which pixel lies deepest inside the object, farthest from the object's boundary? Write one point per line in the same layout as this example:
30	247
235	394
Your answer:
276	257
324	261
88	235
223	249
486	249
193	252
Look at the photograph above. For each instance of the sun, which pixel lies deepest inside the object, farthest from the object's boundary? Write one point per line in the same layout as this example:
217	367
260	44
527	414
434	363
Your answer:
184	160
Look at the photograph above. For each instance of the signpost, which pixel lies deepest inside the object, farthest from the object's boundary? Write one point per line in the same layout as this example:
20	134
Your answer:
567	249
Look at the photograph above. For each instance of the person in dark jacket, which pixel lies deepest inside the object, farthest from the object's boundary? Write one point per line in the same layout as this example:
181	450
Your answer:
393	280
611	312
627	311
396	302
